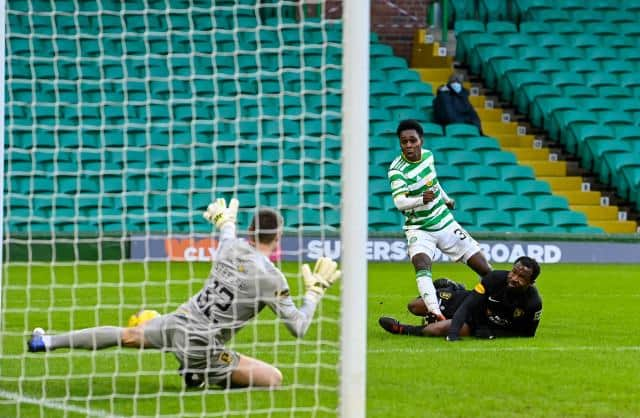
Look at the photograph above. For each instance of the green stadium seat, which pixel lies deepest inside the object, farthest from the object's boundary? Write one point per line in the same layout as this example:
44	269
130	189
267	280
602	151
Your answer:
527	89
446	172
529	220
415	88
585	16
511	203
544	107
498	158
566	78
475	40
615	118
499	69
568	219
565	53
383	220
628	181
567	28
586	41
471	203
494	220
631	30
550	203
550	40
481	58
601	28
595	142
461	130
563	120
611	162
531	187
441	145
482	144
601	79
496	188
501	27
535	28
551	16
583	66
479	173
614	92
401	76
465	219
462	158
457	188
389	63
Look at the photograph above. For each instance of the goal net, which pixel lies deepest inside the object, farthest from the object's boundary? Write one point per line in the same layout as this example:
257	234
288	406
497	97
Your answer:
123	120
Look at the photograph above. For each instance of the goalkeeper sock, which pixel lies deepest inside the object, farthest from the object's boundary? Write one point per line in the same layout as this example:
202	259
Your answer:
428	291
90	338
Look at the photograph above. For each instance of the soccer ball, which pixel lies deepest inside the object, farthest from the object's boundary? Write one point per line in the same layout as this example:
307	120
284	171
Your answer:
141	317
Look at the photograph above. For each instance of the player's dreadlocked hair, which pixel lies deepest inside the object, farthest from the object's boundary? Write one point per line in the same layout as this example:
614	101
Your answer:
265	225
409	124
530	263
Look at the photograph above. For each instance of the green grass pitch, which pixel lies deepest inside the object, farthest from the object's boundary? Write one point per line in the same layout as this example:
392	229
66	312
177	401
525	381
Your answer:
584	362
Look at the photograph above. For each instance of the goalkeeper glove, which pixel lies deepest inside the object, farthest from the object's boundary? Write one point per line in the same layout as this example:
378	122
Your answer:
324	274
219	214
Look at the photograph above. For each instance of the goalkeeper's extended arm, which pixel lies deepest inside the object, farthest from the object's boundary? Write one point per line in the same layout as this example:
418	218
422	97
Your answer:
324	274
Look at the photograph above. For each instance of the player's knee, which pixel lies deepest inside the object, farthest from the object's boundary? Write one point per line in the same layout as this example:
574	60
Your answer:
417	307
421	262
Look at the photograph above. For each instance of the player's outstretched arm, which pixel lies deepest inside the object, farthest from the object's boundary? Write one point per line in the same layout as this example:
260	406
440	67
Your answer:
324	274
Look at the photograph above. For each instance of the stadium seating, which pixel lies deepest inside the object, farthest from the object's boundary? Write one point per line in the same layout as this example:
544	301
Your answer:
88	130
577	79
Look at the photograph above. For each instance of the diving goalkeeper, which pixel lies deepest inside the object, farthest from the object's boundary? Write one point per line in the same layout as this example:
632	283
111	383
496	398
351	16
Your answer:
241	283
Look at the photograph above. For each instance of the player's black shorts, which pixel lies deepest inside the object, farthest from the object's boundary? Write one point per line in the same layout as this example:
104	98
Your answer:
450	295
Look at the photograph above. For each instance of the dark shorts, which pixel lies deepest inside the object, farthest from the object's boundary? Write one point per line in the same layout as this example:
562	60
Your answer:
450	296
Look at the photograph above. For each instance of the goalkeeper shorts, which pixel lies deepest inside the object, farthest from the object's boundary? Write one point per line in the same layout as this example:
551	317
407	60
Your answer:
197	350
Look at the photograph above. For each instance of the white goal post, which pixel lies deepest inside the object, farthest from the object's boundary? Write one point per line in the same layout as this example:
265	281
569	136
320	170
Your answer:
355	167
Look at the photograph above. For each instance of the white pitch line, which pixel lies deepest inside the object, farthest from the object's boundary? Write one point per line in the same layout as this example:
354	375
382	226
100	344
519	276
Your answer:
56	405
499	349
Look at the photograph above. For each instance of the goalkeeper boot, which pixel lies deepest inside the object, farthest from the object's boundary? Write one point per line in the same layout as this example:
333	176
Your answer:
36	342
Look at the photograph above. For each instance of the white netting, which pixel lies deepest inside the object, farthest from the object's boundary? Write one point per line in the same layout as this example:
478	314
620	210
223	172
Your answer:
123	121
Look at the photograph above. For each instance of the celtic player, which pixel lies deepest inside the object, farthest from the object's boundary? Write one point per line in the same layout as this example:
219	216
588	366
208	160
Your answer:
429	223
241	283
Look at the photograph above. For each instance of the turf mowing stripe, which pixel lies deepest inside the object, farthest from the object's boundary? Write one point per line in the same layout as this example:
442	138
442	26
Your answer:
55	405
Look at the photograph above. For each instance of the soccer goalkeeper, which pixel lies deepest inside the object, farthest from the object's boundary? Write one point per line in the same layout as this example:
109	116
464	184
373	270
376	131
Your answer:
241	283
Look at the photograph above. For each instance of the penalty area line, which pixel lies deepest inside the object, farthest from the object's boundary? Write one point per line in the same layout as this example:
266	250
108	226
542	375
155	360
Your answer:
55	405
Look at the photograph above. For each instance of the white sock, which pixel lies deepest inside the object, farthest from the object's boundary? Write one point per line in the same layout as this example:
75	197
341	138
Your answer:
46	339
428	291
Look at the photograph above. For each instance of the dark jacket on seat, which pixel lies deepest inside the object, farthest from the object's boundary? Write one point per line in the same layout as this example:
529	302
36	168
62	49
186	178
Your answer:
451	107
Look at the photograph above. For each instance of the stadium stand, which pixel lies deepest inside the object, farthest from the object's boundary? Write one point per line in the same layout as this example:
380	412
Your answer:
567	80
78	119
